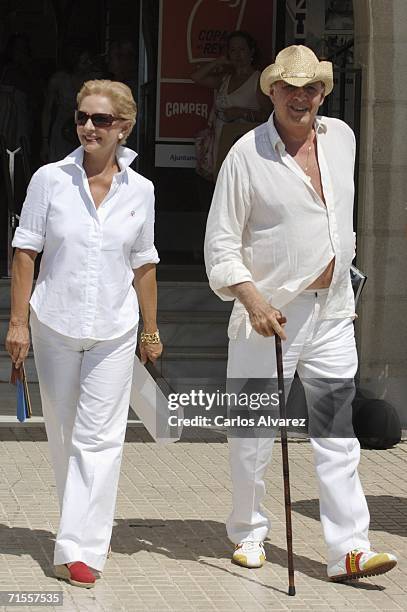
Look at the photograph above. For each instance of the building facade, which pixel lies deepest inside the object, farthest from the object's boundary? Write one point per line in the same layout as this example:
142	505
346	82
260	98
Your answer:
365	37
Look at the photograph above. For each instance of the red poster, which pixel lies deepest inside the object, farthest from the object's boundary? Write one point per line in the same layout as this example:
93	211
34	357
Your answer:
195	31
184	107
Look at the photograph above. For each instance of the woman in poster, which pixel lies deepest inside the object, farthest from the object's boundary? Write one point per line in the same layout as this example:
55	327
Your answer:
93	218
238	98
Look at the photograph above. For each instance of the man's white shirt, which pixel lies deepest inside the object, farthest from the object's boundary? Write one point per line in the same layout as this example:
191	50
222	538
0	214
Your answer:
268	225
84	289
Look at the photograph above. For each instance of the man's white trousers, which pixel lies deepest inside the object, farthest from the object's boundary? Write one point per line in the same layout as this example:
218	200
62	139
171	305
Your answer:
316	349
85	389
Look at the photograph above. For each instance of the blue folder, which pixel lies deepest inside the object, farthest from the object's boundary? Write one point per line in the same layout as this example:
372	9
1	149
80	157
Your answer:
18	378
22	410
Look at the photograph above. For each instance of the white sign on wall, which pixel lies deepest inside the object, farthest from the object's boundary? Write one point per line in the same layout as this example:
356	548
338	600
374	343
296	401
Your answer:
175	156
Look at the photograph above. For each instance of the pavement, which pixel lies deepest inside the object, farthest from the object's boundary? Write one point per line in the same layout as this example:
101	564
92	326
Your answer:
170	550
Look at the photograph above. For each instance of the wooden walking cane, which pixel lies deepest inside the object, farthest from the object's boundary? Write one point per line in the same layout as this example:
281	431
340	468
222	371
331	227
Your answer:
286	474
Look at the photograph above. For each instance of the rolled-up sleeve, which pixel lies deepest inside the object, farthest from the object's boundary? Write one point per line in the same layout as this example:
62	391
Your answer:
30	233
226	221
144	251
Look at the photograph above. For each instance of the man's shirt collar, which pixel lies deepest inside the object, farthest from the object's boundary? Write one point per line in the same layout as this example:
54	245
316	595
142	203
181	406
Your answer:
275	138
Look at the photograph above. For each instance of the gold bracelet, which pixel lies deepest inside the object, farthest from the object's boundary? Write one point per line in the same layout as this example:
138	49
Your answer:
153	338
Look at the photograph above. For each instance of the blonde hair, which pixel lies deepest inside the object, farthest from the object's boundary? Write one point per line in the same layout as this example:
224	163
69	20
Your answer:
119	94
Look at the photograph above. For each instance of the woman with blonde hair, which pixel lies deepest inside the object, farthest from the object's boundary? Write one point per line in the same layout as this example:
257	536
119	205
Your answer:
93	217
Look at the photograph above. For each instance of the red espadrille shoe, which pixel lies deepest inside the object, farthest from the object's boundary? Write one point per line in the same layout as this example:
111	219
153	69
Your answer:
78	574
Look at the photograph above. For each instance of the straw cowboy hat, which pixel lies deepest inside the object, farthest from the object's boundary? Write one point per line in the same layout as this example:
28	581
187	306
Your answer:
297	65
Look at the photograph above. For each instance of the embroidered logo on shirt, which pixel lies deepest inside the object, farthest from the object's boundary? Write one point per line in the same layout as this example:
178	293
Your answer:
133	212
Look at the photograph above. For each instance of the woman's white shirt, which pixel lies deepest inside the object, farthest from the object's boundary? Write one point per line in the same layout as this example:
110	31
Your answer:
85	285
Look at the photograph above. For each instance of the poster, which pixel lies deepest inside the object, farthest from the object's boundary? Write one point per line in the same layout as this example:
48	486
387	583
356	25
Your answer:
192	32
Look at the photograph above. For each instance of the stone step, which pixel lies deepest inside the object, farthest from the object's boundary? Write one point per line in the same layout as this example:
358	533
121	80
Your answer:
8	407
192	362
181	272
4	319
5	294
8	399
197	316
172	295
176	362
190	296
5	367
193	329
177	329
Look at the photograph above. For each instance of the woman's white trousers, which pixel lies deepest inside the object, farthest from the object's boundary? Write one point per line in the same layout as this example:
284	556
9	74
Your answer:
85	389
317	349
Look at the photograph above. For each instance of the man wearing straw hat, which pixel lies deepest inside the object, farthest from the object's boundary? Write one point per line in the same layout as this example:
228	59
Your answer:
280	243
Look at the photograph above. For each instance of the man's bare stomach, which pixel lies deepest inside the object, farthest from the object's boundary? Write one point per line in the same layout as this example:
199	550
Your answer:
324	280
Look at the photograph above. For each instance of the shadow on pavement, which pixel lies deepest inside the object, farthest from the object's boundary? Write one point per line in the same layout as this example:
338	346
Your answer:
194	539
38	543
36	433
387	512
175	539
21	433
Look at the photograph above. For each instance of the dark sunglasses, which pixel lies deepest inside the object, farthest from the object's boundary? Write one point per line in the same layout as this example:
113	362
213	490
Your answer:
99	120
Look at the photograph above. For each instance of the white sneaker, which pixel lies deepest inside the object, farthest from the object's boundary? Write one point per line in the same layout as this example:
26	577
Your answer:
361	564
249	554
